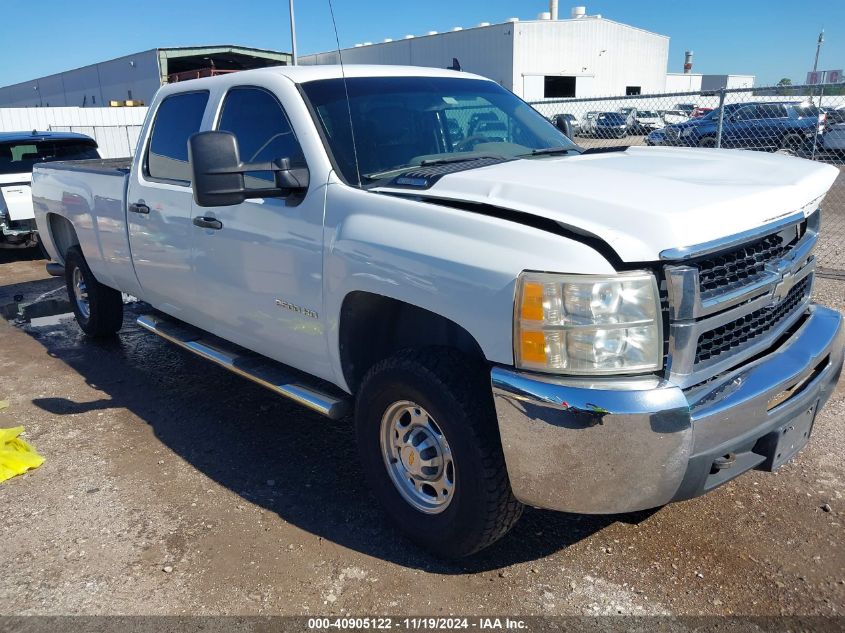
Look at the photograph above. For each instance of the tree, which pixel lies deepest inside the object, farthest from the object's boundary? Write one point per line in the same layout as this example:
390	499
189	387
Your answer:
786	81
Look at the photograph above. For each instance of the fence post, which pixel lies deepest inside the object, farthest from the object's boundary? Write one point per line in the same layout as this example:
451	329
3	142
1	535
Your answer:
816	134
721	117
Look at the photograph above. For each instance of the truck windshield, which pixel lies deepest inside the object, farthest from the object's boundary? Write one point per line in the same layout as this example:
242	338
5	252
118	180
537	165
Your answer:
399	122
18	157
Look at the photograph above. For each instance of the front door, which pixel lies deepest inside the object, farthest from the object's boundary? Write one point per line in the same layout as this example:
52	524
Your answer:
258	274
160	204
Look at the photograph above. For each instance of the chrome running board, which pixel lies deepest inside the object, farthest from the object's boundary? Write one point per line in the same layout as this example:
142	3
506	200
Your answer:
267	373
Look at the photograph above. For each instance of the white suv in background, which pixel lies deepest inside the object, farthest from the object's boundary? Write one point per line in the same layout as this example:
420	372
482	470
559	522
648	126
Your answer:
19	151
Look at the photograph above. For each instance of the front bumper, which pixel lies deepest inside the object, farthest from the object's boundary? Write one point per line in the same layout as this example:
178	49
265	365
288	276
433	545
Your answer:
603	447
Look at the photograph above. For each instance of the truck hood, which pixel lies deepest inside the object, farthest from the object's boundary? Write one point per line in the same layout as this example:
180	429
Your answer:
647	199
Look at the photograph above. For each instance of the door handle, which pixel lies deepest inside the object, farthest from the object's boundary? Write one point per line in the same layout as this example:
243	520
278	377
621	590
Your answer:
139	207
206	222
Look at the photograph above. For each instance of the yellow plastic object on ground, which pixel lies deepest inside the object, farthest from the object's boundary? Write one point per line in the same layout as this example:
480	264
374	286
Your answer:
16	456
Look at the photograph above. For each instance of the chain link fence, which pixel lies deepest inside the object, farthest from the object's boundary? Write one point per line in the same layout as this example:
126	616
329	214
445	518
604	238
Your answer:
805	121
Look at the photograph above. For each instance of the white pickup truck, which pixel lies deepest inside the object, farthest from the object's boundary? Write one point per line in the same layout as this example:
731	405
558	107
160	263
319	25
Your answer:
511	319
19	152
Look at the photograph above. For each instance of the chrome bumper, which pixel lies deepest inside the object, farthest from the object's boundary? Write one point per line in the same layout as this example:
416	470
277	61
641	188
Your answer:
604	447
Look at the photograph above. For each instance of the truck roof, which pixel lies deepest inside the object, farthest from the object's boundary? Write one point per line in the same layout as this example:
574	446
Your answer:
35	135
303	74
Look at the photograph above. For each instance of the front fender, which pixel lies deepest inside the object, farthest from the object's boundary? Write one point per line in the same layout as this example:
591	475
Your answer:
459	264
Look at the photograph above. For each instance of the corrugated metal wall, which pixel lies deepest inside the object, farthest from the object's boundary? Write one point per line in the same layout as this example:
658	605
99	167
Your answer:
134	76
605	55
609	55
116	130
486	51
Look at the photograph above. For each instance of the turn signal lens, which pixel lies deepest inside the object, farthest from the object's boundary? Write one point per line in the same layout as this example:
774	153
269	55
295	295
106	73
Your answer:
533	346
532	302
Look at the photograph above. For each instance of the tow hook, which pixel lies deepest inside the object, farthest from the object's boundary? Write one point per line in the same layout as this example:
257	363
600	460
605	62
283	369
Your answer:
722	463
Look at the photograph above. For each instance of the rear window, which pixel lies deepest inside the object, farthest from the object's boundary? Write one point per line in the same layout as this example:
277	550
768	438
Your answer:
178	118
19	157
612	118
802	111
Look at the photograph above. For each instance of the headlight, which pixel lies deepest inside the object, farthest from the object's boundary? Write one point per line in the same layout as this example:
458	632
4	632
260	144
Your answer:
687	131
588	324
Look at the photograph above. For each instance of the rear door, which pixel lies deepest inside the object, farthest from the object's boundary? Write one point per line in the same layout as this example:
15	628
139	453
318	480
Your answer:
772	124
739	131
160	204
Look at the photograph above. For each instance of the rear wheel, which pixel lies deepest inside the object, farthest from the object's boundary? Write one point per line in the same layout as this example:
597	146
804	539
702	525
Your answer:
98	309
430	449
791	143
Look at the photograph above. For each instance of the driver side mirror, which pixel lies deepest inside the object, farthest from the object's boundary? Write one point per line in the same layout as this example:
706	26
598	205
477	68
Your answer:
217	173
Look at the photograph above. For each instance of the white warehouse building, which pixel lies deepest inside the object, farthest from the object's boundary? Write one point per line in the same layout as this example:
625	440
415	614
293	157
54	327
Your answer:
548	58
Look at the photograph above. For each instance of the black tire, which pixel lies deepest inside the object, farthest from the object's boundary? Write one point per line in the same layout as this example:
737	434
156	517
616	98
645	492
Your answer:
42	252
105	305
707	141
792	143
455	391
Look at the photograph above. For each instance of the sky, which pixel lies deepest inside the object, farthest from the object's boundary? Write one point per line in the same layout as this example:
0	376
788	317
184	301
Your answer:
770	39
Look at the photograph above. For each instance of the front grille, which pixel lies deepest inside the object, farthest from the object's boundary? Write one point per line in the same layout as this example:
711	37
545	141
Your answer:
722	273
734	336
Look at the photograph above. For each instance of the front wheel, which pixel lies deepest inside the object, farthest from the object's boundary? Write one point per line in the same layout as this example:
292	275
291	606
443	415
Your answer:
430	449
98	309
707	141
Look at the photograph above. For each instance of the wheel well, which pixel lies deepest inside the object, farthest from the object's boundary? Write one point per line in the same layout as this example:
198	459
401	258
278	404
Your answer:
374	327
63	233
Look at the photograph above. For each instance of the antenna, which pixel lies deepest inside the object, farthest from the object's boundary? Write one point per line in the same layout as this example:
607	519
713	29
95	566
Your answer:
294	60
346	90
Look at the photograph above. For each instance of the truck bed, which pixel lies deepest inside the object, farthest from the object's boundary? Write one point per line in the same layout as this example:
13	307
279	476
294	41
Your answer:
91	195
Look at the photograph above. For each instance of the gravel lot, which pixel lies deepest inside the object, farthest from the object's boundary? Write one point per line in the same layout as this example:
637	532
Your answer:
172	487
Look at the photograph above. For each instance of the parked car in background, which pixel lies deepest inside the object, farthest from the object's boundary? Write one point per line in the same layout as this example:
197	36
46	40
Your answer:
630	116
647	121
833	137
588	123
492	131
657	137
611	125
674	116
689	108
19	152
764	125
697	113
574	124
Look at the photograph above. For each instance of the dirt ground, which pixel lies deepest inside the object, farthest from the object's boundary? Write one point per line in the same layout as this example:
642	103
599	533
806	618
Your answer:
171	486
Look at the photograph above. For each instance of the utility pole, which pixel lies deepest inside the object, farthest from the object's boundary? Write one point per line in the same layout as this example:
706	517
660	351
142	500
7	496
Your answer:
293	36
815	64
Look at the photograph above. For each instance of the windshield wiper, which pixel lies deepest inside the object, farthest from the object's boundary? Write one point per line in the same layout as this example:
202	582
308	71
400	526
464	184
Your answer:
457	159
553	150
428	163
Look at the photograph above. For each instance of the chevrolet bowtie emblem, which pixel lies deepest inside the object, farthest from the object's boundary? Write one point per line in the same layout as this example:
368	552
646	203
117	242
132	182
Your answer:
786	283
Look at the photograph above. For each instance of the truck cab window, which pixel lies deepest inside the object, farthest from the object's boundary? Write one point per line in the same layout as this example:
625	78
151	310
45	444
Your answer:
263	130
177	119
